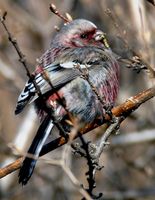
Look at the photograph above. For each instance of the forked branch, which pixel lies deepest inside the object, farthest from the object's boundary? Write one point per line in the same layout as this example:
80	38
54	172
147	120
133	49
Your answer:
129	106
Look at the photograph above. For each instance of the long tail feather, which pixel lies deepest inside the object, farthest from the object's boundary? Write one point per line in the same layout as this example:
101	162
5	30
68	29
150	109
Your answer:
28	165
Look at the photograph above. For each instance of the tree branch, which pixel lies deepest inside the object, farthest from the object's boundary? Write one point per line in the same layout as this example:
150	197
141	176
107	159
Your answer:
124	109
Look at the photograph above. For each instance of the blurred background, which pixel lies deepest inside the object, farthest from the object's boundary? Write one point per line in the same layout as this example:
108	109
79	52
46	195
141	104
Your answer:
129	161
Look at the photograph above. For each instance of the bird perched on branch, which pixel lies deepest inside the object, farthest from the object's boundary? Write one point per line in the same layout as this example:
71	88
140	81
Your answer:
78	62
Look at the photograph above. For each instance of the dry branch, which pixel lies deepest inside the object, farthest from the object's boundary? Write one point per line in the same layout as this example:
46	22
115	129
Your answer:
22	58
54	10
136	62
124	109
11	167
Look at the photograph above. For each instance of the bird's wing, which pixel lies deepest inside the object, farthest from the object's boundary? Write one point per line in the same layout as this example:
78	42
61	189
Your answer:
58	74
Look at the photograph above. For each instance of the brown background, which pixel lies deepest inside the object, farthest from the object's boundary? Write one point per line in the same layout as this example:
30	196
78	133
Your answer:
128	167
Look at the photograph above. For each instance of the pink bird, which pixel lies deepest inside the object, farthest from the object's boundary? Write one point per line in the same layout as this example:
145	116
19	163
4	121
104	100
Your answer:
79	44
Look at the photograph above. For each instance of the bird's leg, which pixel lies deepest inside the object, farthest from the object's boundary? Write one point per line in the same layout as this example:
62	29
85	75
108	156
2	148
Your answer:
108	111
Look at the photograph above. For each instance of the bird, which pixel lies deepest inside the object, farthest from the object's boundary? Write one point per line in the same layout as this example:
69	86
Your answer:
78	48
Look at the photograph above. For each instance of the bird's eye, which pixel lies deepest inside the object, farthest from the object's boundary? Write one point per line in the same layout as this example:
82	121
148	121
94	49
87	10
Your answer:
84	36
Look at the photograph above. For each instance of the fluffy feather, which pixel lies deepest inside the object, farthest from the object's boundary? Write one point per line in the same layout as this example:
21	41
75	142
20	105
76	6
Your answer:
79	42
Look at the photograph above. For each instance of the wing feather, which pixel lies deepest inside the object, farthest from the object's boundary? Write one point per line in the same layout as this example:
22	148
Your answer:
59	75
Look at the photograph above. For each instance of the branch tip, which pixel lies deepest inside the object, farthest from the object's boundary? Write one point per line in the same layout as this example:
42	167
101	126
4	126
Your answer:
54	10
4	15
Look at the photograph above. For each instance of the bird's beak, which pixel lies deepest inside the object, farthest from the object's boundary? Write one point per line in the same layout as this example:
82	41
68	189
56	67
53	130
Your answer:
100	36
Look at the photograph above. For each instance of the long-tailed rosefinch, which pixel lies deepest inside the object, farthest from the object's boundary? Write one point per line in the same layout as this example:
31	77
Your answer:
78	44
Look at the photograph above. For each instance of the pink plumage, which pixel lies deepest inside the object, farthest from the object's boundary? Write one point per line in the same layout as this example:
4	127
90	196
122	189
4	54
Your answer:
78	43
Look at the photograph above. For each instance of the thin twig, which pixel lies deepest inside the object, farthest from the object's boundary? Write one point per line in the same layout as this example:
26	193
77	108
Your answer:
136	58
92	154
19	52
54	10
76	182
63	162
110	130
85	75
24	62
91	168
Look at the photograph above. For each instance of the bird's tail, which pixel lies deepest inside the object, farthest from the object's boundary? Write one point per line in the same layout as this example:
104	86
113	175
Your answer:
28	165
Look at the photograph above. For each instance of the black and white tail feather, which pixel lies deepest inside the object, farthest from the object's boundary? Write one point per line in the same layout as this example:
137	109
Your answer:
29	163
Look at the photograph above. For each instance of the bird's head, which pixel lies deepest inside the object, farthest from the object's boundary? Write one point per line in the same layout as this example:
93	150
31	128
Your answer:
81	33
